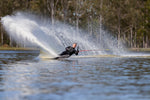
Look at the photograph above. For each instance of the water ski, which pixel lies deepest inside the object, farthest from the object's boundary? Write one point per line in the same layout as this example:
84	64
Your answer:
62	57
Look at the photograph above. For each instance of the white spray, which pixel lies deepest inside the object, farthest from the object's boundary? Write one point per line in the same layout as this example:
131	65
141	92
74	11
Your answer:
28	29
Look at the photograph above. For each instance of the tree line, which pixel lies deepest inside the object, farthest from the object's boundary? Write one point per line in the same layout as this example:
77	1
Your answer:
128	20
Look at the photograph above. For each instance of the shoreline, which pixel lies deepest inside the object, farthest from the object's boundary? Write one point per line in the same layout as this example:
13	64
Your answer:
20	48
139	49
12	50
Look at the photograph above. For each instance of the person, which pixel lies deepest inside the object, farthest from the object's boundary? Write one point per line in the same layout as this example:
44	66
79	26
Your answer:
70	50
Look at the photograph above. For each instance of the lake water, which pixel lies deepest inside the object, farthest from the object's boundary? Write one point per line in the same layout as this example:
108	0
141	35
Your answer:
28	77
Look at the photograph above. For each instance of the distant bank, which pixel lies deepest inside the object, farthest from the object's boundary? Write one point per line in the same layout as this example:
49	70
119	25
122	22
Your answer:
12	50
15	48
139	49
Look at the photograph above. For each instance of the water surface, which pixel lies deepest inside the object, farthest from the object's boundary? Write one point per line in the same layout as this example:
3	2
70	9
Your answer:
28	77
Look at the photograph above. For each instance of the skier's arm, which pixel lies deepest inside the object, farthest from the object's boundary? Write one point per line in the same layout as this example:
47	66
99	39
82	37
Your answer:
77	51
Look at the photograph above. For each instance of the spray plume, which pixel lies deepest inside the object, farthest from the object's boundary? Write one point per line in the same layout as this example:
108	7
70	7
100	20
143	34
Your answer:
30	30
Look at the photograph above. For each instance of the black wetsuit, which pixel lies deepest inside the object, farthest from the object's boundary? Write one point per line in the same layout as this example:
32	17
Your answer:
68	52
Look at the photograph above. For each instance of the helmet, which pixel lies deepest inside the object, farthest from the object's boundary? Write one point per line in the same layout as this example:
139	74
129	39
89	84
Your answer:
74	45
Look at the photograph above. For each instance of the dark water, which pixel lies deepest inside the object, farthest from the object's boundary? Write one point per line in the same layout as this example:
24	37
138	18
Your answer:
27	77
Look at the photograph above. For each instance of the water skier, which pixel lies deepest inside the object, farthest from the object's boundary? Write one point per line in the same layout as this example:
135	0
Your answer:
70	50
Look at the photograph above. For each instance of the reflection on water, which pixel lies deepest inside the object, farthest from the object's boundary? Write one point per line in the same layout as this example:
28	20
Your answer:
10	56
112	78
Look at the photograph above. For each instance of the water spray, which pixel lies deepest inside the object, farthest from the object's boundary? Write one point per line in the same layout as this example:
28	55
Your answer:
53	38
